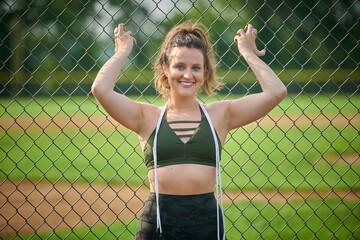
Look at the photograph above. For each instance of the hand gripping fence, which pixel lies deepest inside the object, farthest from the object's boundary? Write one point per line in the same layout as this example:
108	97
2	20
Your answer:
218	174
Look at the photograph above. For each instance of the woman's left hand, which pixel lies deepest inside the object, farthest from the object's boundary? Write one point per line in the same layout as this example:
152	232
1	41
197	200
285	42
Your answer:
246	41
123	40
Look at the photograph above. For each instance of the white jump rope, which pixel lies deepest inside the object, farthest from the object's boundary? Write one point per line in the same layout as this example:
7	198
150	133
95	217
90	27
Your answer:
218	174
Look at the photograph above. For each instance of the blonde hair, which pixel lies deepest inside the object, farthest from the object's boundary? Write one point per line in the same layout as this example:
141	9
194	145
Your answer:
192	35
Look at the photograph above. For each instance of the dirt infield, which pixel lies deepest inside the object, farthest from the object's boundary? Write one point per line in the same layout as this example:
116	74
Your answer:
43	206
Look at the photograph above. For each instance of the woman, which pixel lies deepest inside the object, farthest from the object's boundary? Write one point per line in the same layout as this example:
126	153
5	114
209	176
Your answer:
181	141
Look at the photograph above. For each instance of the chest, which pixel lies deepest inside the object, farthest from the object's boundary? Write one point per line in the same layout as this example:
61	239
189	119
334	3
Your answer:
186	141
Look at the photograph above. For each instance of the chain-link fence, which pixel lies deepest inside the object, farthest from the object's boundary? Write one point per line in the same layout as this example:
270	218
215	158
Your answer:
69	171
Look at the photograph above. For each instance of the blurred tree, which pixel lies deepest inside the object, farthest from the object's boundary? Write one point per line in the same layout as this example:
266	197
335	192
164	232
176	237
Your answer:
136	19
42	34
310	34
65	35
59	35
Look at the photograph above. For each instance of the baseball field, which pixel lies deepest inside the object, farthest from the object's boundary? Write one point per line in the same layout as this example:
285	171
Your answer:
66	165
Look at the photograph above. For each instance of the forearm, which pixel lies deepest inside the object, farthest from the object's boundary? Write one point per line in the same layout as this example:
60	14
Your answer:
107	76
269	81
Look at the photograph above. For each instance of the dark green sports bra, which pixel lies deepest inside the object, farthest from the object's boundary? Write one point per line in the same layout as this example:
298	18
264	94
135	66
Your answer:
171	150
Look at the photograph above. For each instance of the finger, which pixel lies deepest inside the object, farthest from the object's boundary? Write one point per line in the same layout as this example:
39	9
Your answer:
121	28
235	39
241	32
254	32
249	28
261	53
131	35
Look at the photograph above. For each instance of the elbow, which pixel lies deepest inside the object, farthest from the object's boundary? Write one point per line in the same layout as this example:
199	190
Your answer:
97	90
101	91
94	89
282	92
279	94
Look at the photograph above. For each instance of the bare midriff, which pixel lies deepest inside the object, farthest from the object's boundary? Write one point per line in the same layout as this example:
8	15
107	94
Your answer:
184	179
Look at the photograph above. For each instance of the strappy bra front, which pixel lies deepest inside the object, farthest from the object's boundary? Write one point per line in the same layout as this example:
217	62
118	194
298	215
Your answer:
200	156
199	149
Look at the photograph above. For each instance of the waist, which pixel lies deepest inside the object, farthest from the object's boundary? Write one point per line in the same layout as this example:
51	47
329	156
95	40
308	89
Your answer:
184	179
182	160
182	211
191	197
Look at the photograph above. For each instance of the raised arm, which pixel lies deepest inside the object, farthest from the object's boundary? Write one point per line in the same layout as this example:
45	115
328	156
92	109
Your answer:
252	107
124	110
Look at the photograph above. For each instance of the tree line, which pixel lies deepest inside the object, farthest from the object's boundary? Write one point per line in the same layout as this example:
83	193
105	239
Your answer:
68	35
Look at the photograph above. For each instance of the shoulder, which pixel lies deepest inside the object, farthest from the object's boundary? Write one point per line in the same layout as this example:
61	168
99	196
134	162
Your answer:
218	114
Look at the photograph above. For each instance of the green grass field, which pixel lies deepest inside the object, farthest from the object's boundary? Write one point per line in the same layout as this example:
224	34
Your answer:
270	156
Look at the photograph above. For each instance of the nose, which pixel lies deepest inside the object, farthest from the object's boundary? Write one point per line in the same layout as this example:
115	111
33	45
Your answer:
188	74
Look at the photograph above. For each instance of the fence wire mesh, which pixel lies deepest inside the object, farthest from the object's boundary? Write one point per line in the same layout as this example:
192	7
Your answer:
69	171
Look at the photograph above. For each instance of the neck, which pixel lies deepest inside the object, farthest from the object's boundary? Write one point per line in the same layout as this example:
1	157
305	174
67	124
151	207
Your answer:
182	104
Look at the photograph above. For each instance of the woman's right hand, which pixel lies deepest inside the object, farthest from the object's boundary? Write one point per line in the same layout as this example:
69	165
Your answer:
123	40
246	41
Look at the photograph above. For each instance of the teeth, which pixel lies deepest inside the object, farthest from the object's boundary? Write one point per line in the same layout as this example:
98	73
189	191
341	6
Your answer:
186	84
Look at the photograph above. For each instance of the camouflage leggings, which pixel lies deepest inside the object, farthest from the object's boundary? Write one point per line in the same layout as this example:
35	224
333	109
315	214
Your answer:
182	217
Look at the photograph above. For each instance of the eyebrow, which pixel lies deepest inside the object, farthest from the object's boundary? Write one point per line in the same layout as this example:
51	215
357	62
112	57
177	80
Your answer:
195	64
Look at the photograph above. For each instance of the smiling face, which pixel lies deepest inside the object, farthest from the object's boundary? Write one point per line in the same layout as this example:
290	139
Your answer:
185	72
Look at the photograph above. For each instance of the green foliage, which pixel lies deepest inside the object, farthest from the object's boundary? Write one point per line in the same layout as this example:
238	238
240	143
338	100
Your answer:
77	36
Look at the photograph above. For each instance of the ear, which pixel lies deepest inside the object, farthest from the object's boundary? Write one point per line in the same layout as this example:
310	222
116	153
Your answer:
165	70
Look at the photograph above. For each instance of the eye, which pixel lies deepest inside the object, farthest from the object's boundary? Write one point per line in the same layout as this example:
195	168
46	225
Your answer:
196	68
180	67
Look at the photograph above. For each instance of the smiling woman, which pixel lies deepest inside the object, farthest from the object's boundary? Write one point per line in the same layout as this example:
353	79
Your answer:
182	141
191	37
185	71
